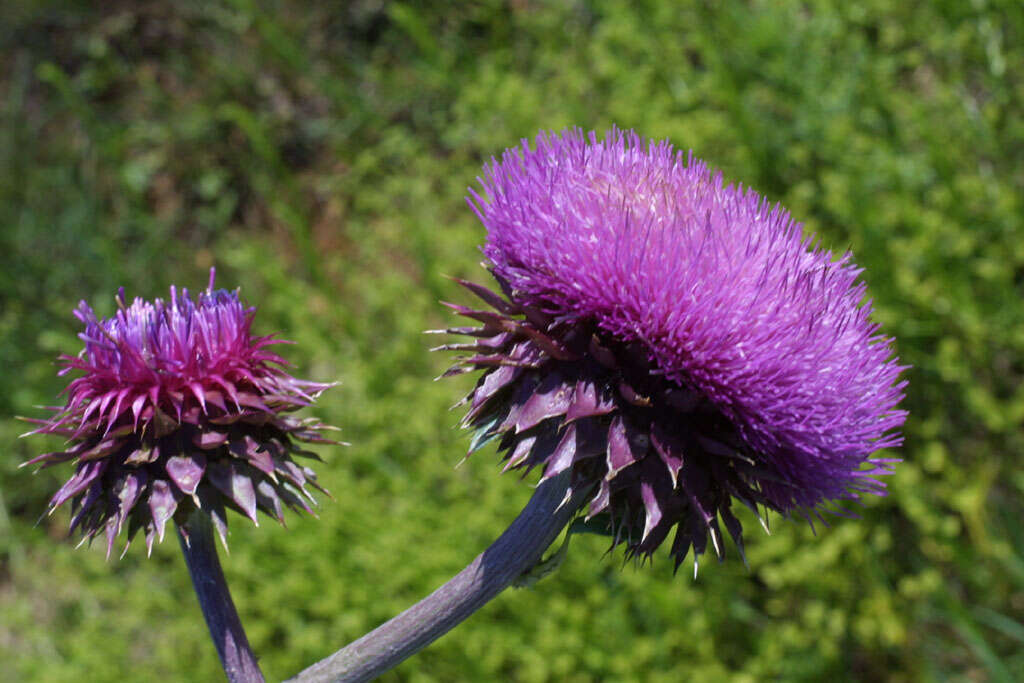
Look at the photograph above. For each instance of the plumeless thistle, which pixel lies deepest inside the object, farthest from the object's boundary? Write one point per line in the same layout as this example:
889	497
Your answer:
662	344
180	413
179	407
675	342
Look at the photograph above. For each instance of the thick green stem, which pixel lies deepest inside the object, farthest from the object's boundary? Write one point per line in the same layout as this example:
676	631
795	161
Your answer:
516	551
200	551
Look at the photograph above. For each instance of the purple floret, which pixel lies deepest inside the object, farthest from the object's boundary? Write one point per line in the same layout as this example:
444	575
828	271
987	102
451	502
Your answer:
723	289
179	407
676	342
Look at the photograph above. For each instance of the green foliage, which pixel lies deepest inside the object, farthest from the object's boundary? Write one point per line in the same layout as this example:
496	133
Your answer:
319	157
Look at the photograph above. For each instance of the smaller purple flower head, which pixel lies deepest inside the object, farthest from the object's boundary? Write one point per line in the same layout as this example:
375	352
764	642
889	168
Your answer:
178	406
674	342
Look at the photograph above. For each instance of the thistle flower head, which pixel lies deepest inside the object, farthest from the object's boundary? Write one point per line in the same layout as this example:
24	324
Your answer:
179	406
678	342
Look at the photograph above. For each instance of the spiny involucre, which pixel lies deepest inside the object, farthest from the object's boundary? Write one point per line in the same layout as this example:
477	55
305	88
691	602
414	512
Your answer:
676	341
179	406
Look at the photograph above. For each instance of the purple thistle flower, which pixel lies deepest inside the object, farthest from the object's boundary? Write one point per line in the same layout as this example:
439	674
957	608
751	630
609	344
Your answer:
178	406
677	342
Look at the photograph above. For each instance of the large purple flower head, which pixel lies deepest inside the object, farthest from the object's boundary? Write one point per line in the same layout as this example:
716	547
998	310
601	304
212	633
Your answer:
179	406
677	342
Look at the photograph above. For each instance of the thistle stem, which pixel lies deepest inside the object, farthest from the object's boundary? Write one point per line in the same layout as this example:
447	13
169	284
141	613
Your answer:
516	551
200	551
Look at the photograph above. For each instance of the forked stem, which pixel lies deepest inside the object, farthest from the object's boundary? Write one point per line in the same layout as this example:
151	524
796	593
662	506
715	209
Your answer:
516	551
200	551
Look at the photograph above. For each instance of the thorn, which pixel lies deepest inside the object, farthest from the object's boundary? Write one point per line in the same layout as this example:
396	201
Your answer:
568	495
716	541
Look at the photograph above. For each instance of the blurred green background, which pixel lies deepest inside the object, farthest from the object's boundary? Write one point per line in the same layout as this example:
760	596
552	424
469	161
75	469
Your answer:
319	158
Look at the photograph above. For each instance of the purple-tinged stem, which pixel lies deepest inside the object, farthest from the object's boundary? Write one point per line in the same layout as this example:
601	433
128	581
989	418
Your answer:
516	551
200	551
